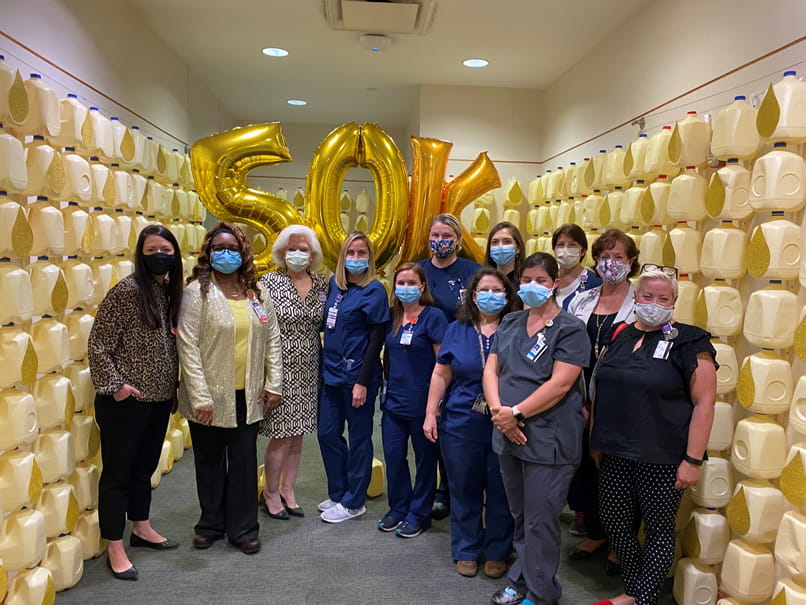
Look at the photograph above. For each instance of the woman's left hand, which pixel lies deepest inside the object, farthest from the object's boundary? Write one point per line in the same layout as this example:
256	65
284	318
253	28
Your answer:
504	421
271	401
687	475
359	395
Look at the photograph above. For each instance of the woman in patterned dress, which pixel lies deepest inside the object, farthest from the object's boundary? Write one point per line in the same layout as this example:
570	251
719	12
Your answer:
299	297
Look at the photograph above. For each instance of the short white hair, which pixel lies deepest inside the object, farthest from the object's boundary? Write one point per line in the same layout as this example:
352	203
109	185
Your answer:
656	274
281	245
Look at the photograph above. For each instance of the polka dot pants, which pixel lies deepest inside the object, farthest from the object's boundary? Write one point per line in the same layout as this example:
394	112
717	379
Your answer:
631	492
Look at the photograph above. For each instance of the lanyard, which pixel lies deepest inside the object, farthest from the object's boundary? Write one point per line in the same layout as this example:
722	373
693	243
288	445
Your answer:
481	350
583	279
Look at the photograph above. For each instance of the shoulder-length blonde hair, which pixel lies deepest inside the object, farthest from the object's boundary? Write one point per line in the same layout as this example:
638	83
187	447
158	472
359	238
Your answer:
341	273
280	246
425	298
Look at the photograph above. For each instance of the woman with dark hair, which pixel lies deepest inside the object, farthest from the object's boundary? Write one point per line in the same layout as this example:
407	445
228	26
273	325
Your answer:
356	316
457	413
505	249
570	246
601	308
133	363
230	352
531	381
412	345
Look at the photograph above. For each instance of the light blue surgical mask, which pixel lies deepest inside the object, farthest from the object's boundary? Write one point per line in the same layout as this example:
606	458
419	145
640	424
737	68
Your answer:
407	294
490	302
502	255
226	261
534	294
356	266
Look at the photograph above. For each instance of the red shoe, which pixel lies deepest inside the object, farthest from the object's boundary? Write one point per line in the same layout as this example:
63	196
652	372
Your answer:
605	602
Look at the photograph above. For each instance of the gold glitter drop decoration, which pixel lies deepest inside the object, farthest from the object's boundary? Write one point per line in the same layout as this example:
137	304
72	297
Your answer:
793	477
738	513
758	254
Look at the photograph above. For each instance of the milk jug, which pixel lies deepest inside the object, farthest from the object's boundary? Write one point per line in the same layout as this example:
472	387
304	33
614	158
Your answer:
19	357
180	203
777	182
23	539
657	159
724	252
794	475
139	185
122	142
728	372
748	571
759	447
63	558
715	486
75	224
13	96
18	418
790	592
721	435
54	401
535	222
45	169
690	141
78	277
81	385
103	274
658	202
54	454
177	440
568	180
685	307
720	309
13	172
173	166
782	115
124	190
43	109
139	141
86	437
59	505
186	176
774	250
797	411
123	227
16	237
687	196
20	479
84	480
196	208
636	208
154	201
593	210
100	236
706	536
123	266
755	510
728	193
735	134
161	166
89	532
71	119
78	178
656	247
687	244
96	134
765	383
51	343
595	173
635	158
614	168
578	184
149	157
32	586
47	225
694	582
790	544
48	286
771	317
78	325
16	293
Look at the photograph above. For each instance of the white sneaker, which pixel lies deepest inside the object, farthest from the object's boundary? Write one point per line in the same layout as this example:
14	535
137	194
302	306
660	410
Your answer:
337	513
326	504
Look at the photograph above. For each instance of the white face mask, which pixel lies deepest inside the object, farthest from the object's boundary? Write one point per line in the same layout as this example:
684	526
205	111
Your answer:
297	260
653	315
567	257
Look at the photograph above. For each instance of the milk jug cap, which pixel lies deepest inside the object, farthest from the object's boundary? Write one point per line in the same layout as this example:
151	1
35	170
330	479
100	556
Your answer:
135	171
643	134
38	137
41	258
779	145
3	192
72	95
72	203
72	257
114	118
586	159
733	160
93	108
174	149
619	146
114	165
777	213
786	73
618	188
94	158
69	148
691	113
558	168
739	98
775	281
41	198
150	138
118	210
691	168
98	209
641	181
39	76
603	151
572	163
135	128
667	128
5	259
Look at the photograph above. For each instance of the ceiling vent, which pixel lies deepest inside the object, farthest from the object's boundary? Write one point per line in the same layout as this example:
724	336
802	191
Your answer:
384	17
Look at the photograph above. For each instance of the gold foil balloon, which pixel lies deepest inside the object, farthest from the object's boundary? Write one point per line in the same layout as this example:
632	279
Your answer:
349	146
220	165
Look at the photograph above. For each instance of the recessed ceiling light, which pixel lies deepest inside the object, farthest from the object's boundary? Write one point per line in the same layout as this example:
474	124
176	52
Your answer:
296	102
475	62
275	52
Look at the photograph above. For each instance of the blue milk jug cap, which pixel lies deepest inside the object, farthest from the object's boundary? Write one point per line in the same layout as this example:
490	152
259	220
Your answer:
739	98
778	144
72	95
791	72
733	160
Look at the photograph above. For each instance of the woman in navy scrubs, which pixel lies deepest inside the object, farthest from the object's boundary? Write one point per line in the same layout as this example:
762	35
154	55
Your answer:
505	250
356	316
412	345
465	428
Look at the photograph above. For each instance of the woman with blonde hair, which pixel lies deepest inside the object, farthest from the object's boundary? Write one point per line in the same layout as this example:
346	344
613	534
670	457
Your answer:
356	316
298	294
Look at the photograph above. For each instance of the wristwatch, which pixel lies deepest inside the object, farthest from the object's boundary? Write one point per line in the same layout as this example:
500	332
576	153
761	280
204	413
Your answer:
518	414
692	460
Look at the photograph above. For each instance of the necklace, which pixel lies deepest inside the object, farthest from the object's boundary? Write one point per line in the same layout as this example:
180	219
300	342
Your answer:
600	321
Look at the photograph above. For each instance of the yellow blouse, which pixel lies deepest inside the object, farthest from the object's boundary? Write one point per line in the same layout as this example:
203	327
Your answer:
241	315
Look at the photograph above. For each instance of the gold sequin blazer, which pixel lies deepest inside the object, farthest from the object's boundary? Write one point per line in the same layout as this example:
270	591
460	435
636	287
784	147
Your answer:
205	341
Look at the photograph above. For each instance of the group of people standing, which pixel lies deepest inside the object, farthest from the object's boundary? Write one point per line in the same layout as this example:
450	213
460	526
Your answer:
518	380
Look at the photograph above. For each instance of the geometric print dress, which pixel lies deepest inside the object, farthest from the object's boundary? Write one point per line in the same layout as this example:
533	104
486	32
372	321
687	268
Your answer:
300	322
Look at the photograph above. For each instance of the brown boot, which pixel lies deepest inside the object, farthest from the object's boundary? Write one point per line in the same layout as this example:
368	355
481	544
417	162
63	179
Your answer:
467	568
495	569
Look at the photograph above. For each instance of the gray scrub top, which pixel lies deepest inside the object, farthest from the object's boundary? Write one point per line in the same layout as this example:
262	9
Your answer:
554	436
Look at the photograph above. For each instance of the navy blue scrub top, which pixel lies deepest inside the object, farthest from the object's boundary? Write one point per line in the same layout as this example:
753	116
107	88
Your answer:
410	366
460	350
346	344
447	284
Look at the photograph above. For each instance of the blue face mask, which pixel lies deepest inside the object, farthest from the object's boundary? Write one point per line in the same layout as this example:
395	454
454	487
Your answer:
491	302
534	294
356	266
226	261
502	255
407	294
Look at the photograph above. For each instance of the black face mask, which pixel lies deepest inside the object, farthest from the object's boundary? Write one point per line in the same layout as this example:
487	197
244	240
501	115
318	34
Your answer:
159	263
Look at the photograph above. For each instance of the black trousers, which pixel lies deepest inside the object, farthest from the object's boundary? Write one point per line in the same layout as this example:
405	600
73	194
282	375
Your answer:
132	433
226	477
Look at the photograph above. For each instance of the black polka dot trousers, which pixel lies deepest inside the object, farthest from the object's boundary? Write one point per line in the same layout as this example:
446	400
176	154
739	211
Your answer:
631	492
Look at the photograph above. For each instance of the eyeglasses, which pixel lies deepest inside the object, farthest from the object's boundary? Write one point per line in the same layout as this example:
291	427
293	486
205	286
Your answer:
222	247
665	269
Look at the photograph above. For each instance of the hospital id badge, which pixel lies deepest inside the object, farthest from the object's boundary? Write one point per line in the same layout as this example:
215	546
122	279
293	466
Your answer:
536	351
480	405
662	349
332	313
405	337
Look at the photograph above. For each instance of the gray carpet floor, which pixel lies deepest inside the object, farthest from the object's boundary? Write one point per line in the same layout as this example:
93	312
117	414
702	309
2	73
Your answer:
310	562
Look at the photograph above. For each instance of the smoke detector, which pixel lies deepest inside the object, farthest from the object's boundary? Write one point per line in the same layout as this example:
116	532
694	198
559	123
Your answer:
375	42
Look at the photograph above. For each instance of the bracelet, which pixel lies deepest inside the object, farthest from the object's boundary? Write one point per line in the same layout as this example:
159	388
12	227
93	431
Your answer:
692	460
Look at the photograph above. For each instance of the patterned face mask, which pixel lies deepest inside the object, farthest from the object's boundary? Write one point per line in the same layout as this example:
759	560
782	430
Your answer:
442	248
612	271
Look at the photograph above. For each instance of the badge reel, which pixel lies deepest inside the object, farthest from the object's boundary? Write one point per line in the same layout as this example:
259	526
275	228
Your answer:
480	405
405	337
332	314
255	304
664	346
540	346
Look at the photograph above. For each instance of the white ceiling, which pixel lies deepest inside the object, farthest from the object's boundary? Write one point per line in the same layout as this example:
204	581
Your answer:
529	44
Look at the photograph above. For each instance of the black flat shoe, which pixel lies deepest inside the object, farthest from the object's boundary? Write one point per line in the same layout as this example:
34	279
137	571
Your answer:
136	541
130	574
577	554
294	512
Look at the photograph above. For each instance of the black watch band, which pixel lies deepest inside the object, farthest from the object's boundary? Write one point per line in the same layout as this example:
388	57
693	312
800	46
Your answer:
518	414
692	460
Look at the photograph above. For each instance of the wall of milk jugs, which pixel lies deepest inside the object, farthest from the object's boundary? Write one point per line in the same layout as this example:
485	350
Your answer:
76	188
722	200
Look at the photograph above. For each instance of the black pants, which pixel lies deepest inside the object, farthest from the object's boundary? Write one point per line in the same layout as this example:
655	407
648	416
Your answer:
132	433
226	477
